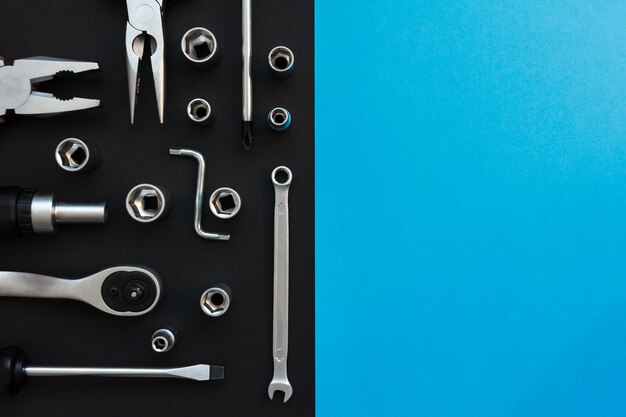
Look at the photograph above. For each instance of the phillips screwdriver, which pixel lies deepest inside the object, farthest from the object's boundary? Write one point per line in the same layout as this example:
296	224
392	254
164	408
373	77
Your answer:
15	370
246	24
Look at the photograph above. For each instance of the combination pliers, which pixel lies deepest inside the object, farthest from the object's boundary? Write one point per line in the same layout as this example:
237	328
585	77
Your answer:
18	84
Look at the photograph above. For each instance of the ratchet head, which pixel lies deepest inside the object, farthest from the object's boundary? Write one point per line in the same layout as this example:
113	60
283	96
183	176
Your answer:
122	290
144	30
18	83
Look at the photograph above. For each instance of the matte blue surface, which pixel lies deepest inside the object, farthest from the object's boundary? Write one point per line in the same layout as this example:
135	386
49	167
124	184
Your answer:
471	198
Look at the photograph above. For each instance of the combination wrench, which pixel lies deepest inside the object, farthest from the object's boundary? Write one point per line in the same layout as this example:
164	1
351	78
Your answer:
281	178
120	291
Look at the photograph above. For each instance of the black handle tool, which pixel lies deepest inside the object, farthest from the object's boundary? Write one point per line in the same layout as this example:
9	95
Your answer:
15	370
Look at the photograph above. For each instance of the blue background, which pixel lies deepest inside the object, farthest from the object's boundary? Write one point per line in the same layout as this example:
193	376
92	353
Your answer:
471	195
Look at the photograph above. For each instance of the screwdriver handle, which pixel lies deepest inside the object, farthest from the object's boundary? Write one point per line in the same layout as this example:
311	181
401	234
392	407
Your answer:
13	362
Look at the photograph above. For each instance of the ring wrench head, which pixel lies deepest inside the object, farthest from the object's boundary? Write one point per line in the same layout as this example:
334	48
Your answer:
281	176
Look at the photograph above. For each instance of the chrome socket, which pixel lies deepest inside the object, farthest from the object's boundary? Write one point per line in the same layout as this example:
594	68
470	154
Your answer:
146	203
200	112
282	61
74	155
225	203
163	340
279	119
216	300
199	46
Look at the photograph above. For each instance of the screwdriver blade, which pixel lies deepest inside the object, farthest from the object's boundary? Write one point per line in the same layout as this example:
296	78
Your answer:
199	372
195	372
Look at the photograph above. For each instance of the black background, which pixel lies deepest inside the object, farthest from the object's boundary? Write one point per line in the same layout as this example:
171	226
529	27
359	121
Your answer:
58	332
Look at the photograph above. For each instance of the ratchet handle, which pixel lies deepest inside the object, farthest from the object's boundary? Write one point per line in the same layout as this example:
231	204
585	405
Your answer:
27	285
120	290
281	265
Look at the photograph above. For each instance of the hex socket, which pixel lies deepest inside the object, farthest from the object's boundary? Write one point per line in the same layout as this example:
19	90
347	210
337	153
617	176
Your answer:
75	155
200	112
279	119
216	300
225	203
147	203
163	340
282	61
200	48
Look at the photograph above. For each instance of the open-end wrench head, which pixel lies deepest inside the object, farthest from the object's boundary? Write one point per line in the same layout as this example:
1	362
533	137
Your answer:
285	387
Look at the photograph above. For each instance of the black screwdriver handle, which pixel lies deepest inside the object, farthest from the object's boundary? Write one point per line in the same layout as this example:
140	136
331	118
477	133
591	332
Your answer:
13	362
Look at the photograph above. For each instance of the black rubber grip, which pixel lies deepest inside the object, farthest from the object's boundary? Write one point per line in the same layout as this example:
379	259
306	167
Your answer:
8	211
24	212
13	362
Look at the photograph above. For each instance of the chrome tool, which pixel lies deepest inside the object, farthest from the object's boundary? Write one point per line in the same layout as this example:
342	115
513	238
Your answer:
281	178
225	203
199	194
200	112
120	291
145	29
199	46
147	203
216	300
75	155
282	61
246	25
164	339
15	371
18	83
279	119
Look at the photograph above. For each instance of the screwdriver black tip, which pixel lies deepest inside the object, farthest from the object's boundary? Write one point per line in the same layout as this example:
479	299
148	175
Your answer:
246	130
216	372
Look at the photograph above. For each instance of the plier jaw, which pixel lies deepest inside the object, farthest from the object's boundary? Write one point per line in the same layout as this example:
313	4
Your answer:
145	24
18	83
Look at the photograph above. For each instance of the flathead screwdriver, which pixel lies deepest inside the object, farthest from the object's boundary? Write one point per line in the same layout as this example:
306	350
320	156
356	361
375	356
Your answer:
14	371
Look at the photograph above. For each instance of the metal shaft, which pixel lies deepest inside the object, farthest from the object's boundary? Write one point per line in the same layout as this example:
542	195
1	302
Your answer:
66	213
199	194
246	25
196	372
